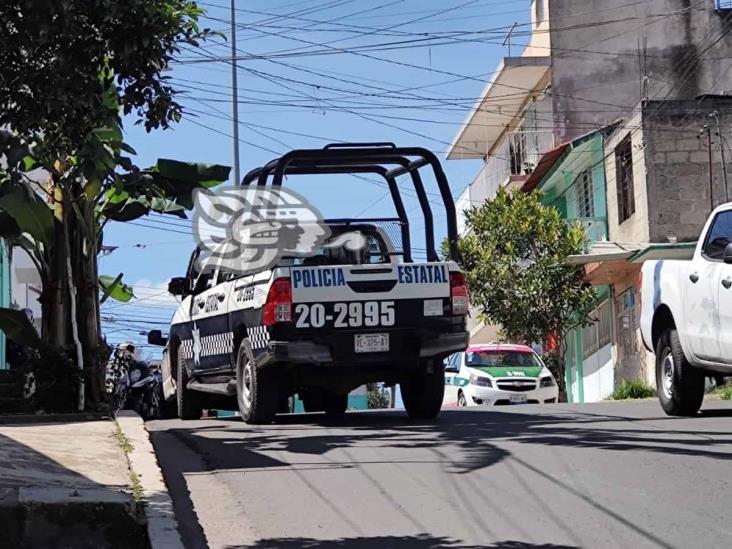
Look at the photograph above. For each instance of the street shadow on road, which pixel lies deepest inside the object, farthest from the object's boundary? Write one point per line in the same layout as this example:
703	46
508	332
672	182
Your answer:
458	442
423	541
231	444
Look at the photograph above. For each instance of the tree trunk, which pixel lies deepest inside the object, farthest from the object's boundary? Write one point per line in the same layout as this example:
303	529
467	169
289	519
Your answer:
561	370
54	300
88	302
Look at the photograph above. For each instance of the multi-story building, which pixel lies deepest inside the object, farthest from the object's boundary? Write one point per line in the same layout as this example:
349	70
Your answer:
649	67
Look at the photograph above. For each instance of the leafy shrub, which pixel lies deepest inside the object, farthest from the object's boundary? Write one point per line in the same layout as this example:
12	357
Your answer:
378	396
633	390
725	392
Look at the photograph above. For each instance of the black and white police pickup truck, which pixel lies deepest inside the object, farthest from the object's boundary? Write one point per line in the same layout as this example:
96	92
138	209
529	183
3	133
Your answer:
322	325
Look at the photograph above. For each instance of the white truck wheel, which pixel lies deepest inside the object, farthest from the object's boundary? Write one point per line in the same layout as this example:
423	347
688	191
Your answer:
680	386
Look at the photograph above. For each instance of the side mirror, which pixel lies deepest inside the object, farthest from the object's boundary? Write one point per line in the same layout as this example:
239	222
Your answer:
450	368
155	337
179	286
728	254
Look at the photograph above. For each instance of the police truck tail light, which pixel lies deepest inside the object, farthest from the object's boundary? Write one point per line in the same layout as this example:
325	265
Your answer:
458	294
278	307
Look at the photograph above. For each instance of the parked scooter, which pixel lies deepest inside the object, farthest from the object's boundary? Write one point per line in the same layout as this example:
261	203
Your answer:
134	384
144	390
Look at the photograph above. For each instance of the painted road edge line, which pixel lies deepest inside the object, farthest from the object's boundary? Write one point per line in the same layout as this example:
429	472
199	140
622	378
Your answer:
162	526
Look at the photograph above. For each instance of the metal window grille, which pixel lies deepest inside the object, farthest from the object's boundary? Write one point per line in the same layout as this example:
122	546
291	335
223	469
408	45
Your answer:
627	323
624	179
585	195
599	333
720	5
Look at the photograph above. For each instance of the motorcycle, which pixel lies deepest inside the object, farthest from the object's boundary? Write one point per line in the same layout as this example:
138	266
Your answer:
143	389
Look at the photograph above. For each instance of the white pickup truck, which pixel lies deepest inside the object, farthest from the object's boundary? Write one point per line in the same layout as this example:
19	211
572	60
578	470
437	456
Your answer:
686	317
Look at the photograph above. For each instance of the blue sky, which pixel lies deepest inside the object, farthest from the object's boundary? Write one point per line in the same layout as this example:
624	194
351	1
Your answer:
332	71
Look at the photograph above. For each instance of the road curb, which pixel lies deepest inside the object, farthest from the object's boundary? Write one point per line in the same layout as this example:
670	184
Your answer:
54	418
162	526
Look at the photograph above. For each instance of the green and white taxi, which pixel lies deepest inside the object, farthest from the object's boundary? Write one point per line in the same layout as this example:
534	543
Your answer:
498	374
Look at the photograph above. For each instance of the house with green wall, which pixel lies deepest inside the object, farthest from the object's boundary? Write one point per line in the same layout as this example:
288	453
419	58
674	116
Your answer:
571	178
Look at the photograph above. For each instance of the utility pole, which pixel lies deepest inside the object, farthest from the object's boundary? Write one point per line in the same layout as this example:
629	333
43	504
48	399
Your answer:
707	128
715	115
234	94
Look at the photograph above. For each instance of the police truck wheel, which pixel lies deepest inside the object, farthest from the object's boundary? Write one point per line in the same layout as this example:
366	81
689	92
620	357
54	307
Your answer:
189	402
680	386
256	389
424	390
335	404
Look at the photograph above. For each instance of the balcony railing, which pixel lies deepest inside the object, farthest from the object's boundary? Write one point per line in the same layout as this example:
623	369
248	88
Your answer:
518	154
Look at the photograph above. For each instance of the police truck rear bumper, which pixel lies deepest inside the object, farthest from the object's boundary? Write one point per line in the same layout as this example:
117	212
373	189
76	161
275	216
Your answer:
407	346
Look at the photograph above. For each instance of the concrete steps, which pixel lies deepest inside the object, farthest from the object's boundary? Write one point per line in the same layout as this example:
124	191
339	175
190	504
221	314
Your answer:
11	394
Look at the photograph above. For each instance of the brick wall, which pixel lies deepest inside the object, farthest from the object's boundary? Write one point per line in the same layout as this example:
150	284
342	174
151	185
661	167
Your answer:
677	165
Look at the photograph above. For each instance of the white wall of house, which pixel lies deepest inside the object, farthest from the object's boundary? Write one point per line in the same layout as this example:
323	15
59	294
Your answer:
540	41
26	284
599	375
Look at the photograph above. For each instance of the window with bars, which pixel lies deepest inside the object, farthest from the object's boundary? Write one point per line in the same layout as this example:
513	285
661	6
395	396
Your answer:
599	333
584	194
624	179
627	323
720	5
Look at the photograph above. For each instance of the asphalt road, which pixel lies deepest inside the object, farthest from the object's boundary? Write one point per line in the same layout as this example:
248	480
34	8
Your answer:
602	475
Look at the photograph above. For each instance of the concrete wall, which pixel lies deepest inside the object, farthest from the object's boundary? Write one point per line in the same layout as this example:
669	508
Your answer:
599	375
26	284
596	69
635	229
539	44
677	163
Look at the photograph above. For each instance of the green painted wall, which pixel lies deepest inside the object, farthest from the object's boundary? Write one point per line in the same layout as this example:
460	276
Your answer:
558	185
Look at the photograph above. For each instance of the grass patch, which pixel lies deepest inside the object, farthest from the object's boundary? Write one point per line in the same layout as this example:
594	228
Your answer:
629	390
127	447
724	392
136	486
123	441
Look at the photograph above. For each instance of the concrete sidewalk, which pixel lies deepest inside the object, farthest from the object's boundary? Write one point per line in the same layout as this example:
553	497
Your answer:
67	485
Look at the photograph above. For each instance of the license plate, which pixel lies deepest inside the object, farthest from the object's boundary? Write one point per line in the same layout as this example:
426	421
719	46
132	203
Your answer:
372	343
517	399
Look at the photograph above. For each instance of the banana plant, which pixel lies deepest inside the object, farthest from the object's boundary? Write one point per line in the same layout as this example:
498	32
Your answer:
30	211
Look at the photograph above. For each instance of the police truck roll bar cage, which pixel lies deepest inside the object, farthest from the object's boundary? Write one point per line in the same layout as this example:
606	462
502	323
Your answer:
360	158
322	325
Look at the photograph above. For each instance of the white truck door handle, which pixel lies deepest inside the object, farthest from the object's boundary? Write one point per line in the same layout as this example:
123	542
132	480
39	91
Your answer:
727	283
694	277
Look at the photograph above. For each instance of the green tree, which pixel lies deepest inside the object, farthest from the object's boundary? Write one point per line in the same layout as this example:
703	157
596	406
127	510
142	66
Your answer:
69	69
377	395
515	263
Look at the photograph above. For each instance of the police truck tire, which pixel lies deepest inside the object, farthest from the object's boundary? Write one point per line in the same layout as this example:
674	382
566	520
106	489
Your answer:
189	402
335	404
256	389
680	386
424	390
